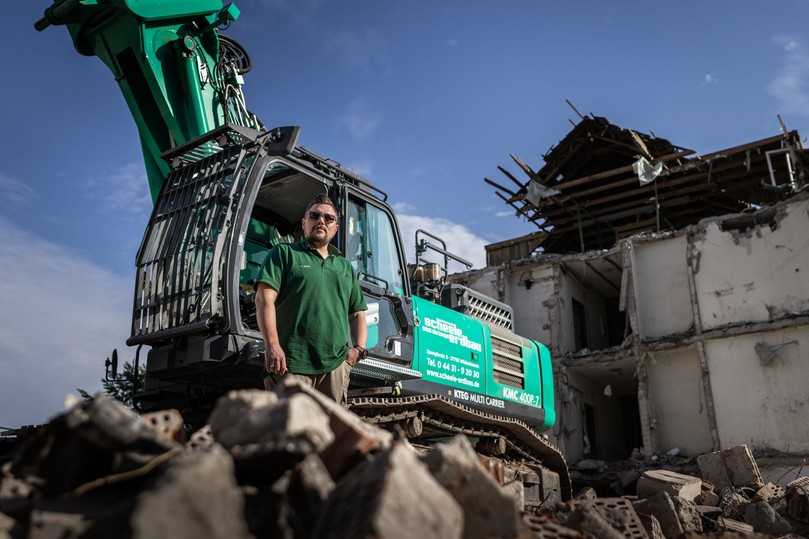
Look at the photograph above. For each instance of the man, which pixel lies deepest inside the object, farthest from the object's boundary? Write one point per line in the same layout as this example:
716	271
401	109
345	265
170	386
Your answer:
307	297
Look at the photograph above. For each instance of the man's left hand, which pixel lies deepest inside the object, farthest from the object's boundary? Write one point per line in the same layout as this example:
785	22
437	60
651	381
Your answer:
352	357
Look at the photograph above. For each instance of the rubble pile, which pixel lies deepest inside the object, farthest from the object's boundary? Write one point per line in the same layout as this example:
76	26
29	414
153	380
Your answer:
296	464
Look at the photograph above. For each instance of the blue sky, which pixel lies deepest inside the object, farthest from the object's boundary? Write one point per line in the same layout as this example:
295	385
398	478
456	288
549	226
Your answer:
423	98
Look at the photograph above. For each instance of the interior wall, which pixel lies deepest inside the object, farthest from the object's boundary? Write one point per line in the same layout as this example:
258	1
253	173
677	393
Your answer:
764	405
661	287
609	441
755	275
595	313
679	413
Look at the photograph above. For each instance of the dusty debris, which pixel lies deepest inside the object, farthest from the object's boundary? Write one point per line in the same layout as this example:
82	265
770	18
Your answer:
295	464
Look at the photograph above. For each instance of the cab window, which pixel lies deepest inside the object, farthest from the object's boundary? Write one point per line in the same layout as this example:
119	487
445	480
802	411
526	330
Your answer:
371	244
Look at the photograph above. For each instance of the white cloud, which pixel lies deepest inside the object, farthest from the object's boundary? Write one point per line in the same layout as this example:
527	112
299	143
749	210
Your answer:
123	190
710	79
460	240
505	213
14	191
790	87
360	119
62	315
404	207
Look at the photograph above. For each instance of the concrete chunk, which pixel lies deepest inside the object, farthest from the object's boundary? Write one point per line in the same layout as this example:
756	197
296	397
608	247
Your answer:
764	519
661	507
196	497
353	437
734	467
588	520
688	514
393	496
488	510
683	486
242	418
742	468
797	497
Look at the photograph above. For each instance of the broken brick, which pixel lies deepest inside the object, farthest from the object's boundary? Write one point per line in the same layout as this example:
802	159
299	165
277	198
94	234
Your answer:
201	439
168	424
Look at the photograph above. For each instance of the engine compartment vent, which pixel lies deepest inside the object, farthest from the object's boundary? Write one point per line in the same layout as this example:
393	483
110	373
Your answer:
463	299
507	360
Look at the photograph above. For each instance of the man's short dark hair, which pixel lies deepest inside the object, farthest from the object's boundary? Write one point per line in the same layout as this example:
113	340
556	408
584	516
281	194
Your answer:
320	199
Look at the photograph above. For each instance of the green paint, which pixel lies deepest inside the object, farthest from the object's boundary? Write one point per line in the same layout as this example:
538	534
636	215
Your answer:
163	55
455	350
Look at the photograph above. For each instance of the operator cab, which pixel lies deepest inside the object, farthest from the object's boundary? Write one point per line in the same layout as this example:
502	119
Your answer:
367	237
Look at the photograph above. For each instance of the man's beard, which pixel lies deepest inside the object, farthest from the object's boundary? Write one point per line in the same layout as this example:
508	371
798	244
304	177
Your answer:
317	242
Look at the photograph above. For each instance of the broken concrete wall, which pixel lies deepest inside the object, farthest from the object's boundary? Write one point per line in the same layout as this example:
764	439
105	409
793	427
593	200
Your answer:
756	274
595	309
607	442
678	408
761	398
661	279
531	291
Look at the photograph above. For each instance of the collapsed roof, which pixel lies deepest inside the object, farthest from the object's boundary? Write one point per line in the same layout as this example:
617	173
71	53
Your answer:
603	182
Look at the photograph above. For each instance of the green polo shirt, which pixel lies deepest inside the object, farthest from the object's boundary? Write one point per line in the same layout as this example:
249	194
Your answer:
315	297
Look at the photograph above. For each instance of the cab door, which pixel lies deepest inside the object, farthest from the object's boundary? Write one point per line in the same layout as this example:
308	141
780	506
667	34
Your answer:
372	244
179	287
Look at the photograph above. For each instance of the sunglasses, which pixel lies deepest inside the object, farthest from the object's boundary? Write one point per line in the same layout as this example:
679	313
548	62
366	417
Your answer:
328	218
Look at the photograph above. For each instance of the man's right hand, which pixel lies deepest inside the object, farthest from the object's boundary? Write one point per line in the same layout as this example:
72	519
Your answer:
275	361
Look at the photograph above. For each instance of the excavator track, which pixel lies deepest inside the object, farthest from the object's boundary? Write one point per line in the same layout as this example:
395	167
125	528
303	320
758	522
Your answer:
452	417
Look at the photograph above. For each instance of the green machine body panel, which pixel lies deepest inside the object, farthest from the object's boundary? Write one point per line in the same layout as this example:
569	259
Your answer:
455	350
165	58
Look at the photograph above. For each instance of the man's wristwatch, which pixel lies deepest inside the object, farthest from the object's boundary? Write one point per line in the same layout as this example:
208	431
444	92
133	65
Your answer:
362	352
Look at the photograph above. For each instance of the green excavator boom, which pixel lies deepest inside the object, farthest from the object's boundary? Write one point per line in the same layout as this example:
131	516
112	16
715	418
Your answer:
179	76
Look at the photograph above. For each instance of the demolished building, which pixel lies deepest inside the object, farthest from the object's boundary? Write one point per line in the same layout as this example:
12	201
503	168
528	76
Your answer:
671	287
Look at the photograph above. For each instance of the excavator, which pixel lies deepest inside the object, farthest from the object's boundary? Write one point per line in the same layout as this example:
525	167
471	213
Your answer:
442	360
